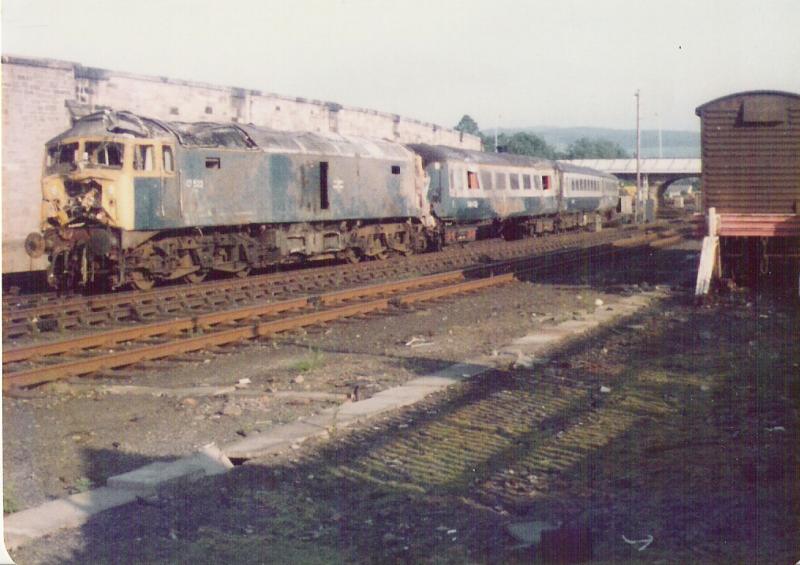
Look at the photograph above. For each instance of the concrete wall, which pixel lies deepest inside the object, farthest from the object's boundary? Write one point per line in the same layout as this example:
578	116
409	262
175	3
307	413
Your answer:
42	96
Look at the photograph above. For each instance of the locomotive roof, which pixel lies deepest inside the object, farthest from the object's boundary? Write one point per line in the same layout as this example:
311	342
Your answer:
432	153
233	136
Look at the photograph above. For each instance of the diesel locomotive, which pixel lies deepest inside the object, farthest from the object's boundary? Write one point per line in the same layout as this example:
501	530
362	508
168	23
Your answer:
129	200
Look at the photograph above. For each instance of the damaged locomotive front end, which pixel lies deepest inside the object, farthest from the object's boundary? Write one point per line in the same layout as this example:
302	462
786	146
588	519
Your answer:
81	181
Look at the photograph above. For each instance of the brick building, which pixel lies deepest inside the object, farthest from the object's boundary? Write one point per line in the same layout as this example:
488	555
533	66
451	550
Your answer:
41	97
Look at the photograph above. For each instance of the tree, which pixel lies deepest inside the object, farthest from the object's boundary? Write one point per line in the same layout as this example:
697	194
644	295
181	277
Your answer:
468	125
586	148
530	144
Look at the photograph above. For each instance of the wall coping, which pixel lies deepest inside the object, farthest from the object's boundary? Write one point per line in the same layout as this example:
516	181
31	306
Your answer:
96	73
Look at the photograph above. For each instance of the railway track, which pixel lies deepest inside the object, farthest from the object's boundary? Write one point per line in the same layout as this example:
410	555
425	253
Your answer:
33	316
119	347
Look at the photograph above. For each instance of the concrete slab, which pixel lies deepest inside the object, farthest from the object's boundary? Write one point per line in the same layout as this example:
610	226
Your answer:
538	338
276	439
69	512
433	382
374	405
148	479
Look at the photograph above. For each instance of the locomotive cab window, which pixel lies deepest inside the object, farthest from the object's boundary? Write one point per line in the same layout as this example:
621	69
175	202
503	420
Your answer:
143	158
104	154
168	159
60	155
213	163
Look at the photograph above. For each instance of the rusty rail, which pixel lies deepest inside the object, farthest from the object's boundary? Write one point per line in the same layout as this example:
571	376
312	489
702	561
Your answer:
196	333
95	311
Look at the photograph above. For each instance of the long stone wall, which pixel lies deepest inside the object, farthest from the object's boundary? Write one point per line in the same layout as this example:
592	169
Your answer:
41	97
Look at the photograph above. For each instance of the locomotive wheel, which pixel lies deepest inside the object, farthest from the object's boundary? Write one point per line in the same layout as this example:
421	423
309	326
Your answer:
142	281
196	277
351	255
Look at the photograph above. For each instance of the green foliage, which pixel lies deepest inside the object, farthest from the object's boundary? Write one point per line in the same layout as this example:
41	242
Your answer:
310	362
586	148
468	125
10	504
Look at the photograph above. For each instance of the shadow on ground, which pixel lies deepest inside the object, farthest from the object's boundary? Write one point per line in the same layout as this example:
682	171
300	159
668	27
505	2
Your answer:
680	424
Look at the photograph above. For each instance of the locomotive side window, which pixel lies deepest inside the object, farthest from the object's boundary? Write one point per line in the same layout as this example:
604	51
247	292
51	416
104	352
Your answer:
526	182
143	158
395	169
213	163
486	180
169	160
514	178
472	180
324	203
545	182
500	179
104	153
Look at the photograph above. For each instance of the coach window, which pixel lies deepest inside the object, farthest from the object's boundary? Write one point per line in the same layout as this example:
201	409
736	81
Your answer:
168	158
513	178
486	180
143	158
500	181
472	180
545	182
526	182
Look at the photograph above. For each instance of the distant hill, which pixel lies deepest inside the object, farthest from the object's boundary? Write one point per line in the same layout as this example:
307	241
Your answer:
674	143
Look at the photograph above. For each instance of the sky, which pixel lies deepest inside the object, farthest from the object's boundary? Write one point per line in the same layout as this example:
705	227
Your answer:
507	63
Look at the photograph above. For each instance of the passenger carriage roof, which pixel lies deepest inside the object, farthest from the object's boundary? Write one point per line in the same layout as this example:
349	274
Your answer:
570	168
235	136
433	153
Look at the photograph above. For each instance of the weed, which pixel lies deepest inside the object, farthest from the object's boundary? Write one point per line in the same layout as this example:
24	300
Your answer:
312	361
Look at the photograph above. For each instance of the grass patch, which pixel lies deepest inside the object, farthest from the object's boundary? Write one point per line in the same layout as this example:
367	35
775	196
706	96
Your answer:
314	360
10	504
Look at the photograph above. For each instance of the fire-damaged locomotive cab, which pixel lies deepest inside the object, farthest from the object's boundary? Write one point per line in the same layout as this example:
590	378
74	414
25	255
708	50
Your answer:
130	201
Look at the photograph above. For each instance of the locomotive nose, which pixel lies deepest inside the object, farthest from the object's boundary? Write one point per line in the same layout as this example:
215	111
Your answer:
34	245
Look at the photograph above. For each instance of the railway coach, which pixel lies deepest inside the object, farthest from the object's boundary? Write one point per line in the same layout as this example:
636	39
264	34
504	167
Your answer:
474	193
751	186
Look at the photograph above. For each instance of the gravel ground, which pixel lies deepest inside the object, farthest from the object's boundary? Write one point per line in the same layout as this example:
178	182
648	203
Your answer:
681	424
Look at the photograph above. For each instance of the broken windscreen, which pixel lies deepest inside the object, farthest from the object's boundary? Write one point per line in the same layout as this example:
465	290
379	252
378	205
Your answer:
105	154
61	157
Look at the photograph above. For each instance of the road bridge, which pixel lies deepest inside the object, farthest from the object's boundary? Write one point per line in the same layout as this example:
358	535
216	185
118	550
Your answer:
659	172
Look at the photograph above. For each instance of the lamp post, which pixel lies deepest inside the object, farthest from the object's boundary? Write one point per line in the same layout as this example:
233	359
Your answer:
639	202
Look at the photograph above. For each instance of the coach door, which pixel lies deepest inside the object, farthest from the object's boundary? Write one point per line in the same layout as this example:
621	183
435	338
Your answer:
170	197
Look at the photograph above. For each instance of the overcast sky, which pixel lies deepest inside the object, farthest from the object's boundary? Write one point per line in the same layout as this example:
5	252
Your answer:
512	63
